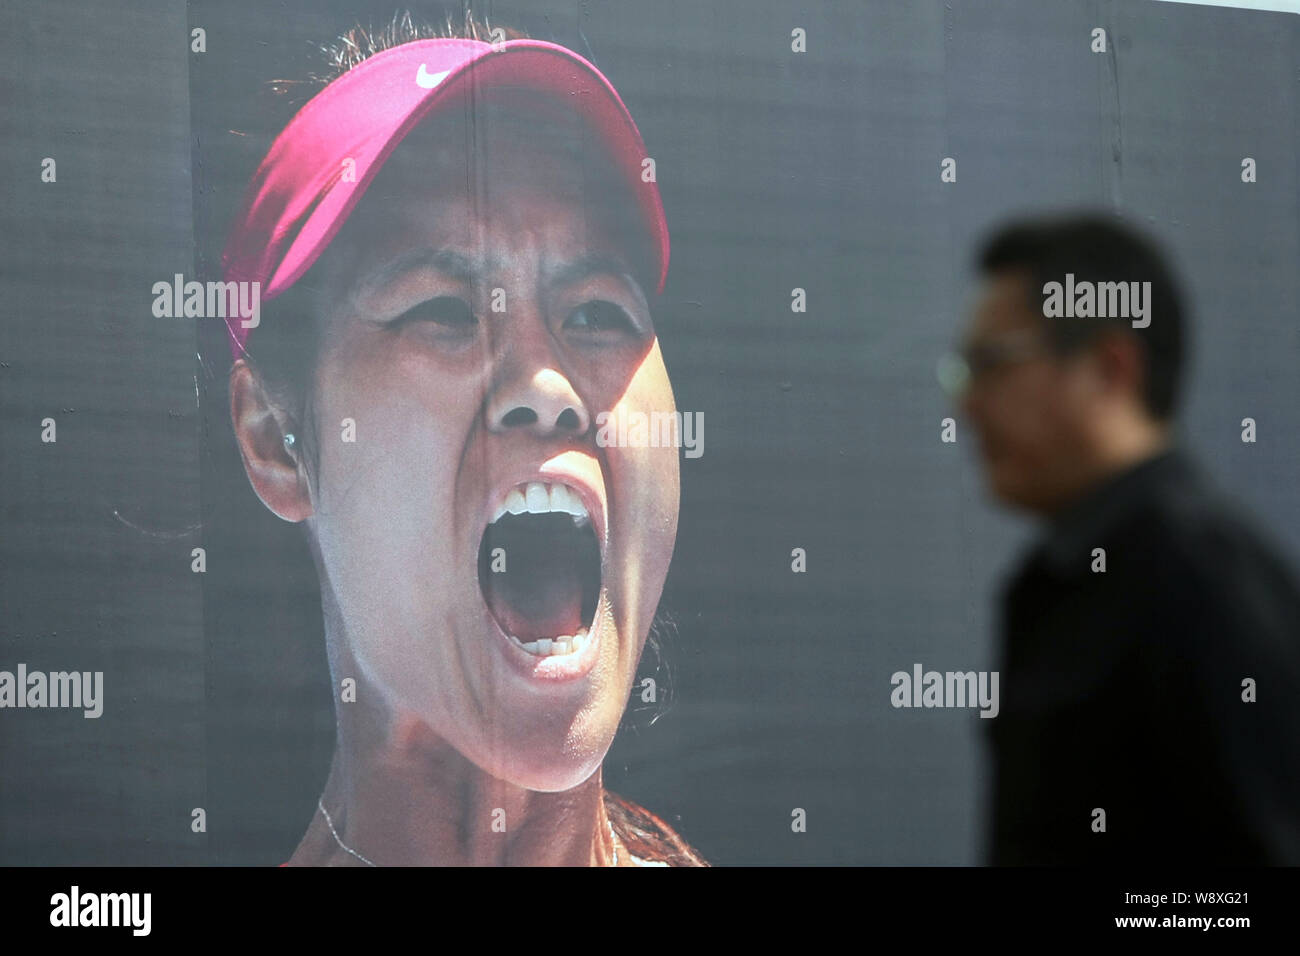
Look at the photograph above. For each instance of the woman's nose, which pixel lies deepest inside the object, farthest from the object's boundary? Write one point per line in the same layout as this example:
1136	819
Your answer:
545	404
532	392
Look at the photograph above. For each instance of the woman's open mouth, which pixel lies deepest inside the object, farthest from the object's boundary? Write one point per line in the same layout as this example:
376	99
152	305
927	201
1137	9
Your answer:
539	568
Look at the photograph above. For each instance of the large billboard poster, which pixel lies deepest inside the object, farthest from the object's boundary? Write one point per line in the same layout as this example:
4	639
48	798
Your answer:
613	433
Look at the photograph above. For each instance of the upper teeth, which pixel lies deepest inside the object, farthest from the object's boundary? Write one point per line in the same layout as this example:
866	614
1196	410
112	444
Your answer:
539	498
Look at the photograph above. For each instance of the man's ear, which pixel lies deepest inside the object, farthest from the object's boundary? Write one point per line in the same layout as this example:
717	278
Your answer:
1120	361
260	427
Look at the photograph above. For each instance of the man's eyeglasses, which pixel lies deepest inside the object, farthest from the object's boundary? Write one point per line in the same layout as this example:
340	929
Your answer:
959	370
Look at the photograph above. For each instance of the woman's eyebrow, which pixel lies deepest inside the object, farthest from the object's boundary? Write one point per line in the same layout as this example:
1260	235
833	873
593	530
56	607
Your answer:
450	263
592	263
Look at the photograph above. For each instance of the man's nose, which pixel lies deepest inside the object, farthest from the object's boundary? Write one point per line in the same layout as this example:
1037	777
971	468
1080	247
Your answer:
532	392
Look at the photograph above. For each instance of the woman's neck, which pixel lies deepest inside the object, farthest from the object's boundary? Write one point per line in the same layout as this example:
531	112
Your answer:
399	795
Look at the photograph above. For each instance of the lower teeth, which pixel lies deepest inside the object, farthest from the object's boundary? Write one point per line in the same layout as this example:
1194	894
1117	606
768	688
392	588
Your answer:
554	646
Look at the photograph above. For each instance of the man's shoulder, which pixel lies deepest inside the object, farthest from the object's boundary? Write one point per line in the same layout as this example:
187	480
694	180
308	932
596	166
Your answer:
647	836
1203	535
1210	564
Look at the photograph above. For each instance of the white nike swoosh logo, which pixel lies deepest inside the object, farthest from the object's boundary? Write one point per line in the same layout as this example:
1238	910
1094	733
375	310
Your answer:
429	80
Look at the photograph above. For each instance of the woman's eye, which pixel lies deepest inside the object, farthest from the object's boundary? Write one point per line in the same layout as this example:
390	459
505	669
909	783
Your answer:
449	311
600	316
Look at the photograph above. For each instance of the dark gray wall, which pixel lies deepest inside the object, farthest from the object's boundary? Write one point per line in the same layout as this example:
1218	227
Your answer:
777	170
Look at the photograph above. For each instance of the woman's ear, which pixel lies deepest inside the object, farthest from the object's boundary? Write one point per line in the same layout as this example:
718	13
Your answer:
260	428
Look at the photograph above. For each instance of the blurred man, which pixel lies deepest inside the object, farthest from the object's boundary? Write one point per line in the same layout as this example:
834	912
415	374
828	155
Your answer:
1150	660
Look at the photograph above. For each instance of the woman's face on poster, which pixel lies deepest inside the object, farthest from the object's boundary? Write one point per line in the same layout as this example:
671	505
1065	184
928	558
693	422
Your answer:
478	312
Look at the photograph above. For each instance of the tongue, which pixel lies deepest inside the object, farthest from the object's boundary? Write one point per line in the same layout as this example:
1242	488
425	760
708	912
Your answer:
548	605
539	594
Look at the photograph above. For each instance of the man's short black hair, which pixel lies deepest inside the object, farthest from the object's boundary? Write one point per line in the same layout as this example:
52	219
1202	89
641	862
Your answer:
1097	247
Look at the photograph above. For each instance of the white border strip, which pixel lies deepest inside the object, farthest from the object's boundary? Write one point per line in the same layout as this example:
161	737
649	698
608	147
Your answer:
1276	6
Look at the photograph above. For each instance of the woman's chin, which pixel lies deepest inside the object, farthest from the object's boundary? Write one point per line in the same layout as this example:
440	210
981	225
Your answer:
541	722
552	771
535	748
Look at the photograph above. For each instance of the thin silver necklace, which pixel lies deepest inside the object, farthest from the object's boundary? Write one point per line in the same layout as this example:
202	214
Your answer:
338	839
613	843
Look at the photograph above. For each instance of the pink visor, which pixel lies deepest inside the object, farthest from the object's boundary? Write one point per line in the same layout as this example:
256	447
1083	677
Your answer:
320	166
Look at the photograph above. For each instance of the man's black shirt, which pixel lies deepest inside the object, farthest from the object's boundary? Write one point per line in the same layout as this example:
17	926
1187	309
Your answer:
1122	689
